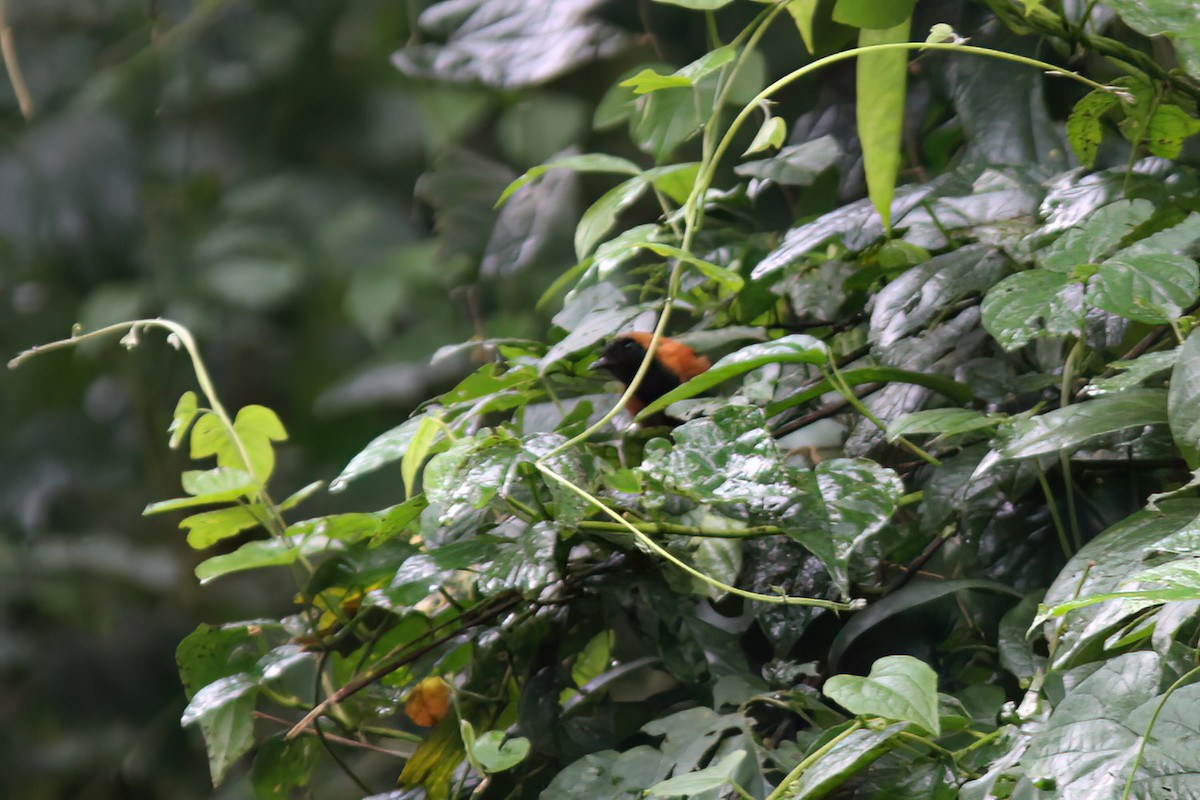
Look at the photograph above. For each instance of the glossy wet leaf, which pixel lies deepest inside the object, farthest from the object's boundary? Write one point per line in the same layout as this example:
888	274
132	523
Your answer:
872	13
1096	237
1134	373
1102	565
1068	429
1153	288
509	44
608	775
898	688
1033	304
794	165
382	450
848	758
921	294
1088	746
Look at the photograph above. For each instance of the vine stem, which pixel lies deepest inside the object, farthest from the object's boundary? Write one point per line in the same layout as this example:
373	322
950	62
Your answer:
812	758
780	599
178	336
8	49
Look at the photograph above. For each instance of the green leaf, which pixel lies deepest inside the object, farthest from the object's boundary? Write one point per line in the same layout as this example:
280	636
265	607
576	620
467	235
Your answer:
219	485
1084	126
255	426
848	758
727	279
794	349
1088	747
1101	566
382	450
609	775
252	555
1153	288
1174	19
1169	126
496	752
881	78
1133	373
281	765
796	165
648	80
720	774
1068	429
1033	304
941	421
588	162
899	688
602	215
873	14
593	659
770	136
1096	236
1183	400
186	411
802	12
424	439
957	392
209	527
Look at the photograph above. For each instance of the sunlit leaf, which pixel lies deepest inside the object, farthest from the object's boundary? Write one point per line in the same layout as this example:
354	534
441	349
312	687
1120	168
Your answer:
881	81
899	688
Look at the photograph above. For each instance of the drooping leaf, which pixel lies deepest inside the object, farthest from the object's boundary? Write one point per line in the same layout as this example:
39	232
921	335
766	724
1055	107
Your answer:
802	12
770	136
648	80
875	14
1084	126
881	81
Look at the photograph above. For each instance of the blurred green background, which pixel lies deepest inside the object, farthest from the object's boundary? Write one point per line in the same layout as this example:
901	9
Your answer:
321	217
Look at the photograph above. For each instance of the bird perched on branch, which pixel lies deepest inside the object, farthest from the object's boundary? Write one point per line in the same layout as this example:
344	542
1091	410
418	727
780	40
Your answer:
673	364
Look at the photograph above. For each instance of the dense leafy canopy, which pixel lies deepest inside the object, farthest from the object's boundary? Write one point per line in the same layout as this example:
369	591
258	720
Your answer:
926	527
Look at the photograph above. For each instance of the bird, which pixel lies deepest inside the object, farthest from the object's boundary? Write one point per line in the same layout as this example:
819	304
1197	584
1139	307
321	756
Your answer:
674	363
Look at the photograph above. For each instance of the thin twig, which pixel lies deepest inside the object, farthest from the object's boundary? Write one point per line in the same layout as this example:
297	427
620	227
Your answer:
8	48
